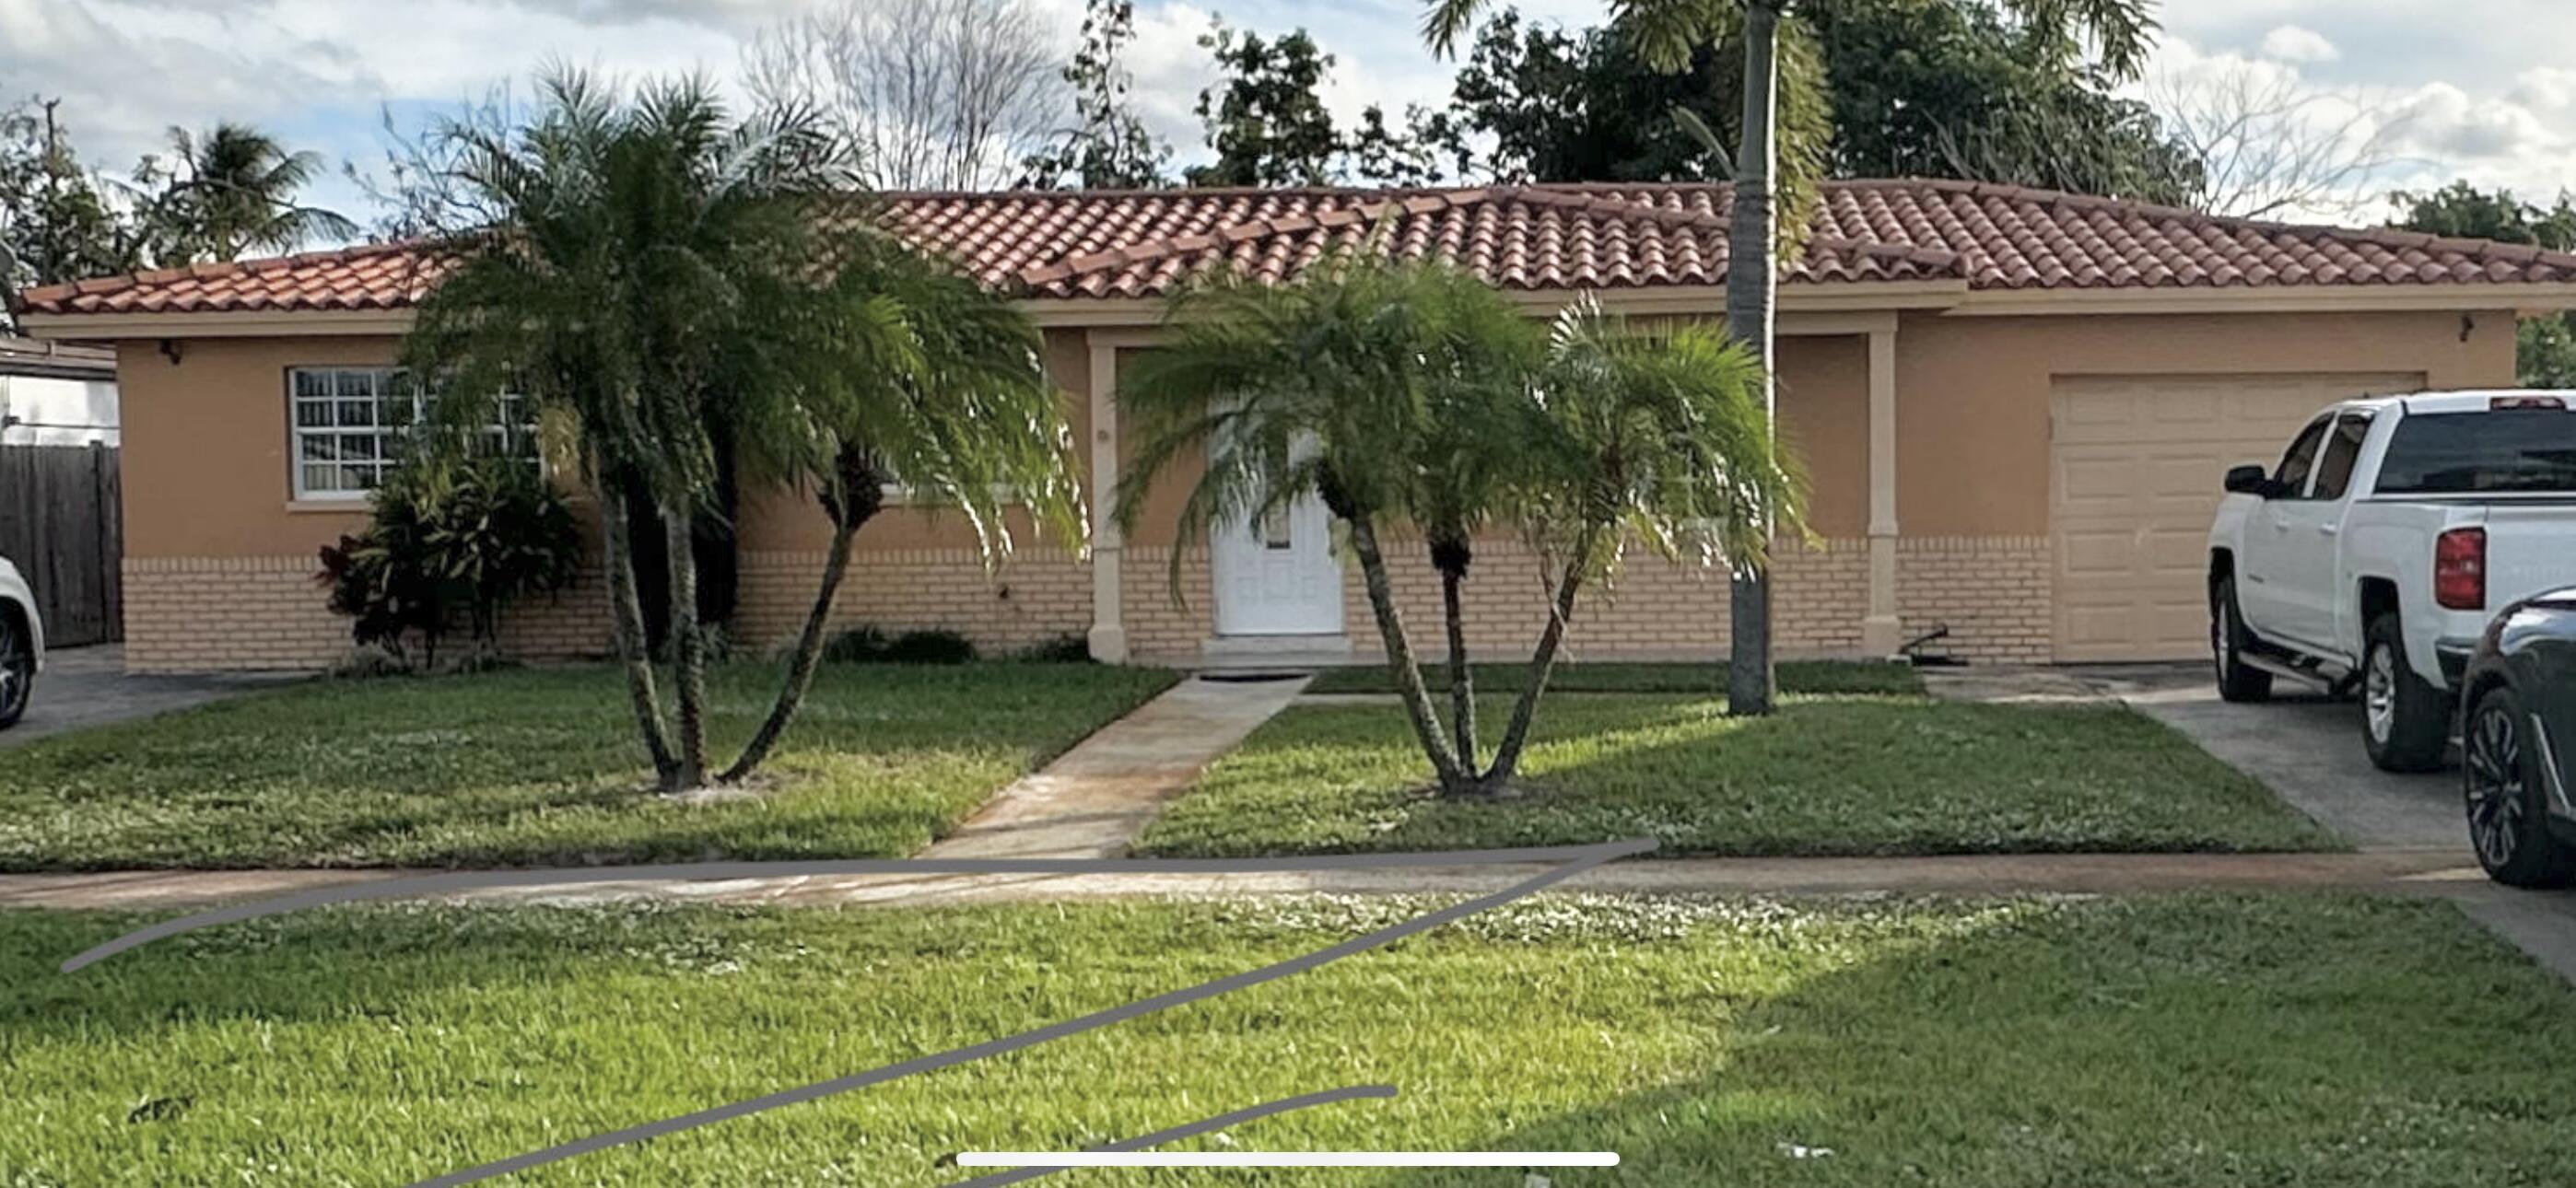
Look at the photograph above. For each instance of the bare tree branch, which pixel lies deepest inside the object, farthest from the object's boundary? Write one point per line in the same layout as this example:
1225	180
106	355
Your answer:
933	94
2272	146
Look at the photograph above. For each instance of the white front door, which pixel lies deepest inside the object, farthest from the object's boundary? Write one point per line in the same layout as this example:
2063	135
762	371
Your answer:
1278	576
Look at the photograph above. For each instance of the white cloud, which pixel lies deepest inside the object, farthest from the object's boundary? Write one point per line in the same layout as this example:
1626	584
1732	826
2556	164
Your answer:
2297	43
122	84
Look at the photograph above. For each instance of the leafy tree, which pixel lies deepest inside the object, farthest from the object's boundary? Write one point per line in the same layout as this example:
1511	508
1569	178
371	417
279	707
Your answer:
1782	142
1411	394
1267	122
1923	88
638	268
1110	148
2545	347
56	223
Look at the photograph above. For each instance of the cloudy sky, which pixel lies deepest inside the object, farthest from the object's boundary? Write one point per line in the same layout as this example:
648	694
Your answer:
2477	82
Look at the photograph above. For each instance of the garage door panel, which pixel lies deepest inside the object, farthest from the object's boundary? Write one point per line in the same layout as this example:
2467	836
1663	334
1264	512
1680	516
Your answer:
2134	480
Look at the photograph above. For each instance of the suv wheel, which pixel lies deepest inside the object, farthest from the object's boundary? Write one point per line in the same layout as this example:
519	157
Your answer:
2237	680
2508	811
2405	723
17	668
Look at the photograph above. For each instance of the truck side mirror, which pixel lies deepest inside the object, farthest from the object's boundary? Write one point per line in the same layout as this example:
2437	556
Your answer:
2249	480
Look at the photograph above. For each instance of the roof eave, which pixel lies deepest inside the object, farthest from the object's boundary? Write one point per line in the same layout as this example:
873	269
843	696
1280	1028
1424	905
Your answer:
2483	296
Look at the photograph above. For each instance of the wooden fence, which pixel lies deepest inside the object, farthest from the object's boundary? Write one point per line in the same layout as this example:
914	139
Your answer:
62	521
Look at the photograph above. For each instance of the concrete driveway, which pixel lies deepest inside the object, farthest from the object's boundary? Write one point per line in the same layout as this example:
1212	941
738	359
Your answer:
88	687
2308	750
2306	747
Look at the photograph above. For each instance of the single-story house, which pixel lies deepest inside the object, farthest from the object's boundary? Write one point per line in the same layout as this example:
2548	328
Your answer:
2016	406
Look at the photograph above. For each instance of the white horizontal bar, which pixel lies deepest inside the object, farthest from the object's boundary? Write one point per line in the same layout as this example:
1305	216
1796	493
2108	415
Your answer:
1289	1159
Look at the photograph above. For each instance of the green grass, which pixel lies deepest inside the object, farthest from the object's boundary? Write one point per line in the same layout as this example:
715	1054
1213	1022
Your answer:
2173	1040
1796	676
1859	775
539	767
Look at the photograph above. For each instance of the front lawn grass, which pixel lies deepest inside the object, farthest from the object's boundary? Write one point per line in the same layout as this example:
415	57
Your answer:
1839	775
1795	676
2211	1041
540	767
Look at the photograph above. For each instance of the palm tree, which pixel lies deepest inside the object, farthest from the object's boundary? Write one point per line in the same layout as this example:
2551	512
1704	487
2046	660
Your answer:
640	269
1406	393
1657	439
912	371
232	190
1779	163
1348	382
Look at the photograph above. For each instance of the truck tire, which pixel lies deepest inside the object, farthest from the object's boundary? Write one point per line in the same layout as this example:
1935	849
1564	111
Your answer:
2500	768
2237	680
2405	722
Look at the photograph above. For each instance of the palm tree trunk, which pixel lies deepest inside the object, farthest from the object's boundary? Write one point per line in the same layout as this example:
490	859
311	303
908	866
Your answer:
802	663
1462	678
1750	282
688	651
1507	754
1399	659
626	624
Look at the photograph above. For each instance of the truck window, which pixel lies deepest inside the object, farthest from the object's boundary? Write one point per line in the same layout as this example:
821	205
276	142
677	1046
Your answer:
2519	449
2343	448
2302	458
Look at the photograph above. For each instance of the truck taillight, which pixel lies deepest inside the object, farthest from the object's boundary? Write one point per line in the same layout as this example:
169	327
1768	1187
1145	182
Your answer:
2460	569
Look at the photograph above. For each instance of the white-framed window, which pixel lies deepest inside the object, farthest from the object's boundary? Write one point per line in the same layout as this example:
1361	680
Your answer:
350	425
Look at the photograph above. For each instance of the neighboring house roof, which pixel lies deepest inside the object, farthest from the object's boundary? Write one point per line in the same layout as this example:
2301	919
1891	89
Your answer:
1142	243
55	360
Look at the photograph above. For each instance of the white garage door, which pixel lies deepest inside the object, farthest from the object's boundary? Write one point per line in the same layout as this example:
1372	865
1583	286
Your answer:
2134	477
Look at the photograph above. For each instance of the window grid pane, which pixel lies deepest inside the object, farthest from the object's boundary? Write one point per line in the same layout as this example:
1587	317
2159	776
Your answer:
352	424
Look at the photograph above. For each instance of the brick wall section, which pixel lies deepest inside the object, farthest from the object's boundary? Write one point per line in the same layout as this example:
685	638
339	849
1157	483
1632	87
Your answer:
1158	631
1041	595
1992	592
205	614
1656	608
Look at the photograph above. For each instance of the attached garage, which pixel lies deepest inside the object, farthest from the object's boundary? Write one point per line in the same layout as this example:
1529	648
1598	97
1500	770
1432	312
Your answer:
2134	469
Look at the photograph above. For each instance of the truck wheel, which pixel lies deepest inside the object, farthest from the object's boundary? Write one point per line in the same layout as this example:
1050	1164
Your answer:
2237	680
2508	812
2405	722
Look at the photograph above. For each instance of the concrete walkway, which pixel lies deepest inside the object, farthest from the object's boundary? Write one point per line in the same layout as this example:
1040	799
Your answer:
1095	799
2443	872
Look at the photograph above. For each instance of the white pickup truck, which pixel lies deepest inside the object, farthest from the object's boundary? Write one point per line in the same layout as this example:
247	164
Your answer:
2374	554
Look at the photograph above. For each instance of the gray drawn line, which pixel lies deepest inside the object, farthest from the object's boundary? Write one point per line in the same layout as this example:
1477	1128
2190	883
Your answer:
477	880
1583	858
1192	1130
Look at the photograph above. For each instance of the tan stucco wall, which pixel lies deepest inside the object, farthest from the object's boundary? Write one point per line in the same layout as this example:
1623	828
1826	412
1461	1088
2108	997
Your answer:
205	459
1972	401
208	495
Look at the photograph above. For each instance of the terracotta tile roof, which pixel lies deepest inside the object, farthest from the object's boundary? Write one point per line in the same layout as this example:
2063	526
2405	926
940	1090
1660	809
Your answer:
1142	243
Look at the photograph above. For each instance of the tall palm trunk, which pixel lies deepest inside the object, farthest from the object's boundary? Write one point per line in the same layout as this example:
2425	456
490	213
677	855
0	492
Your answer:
1451	558
626	623
1454	779
1750	283
688	651
861	493
1560	613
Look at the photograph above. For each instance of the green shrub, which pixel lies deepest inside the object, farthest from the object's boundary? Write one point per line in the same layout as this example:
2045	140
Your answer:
1068	648
451	544
868	644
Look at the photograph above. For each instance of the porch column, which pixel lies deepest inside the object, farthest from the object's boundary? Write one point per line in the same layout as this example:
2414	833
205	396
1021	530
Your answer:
1879	631
1108	636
